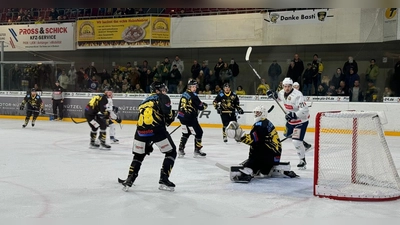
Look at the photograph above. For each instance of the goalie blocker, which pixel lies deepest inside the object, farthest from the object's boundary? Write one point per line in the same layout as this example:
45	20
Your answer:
241	174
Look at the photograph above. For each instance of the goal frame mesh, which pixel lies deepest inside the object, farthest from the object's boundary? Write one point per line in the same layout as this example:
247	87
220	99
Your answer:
325	191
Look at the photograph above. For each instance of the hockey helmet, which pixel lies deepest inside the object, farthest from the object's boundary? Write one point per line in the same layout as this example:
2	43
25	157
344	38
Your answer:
226	85
192	82
33	90
287	81
156	85
260	112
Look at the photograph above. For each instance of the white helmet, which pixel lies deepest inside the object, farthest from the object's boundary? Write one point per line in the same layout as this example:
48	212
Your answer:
260	112
287	81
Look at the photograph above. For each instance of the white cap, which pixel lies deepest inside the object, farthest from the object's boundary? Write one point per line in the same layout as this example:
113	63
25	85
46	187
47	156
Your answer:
296	84
287	81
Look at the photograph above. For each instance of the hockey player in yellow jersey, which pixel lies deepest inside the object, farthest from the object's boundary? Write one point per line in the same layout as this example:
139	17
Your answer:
155	115
98	112
34	107
188	110
226	103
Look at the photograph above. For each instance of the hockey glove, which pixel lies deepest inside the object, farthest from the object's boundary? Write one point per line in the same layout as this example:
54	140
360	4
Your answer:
118	120
240	110
115	109
272	94
290	116
168	121
21	107
205	105
219	110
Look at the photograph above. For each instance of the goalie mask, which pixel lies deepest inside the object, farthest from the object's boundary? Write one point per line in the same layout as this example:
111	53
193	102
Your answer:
260	112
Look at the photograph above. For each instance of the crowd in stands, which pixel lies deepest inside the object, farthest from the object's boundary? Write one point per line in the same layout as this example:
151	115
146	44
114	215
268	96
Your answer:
312	79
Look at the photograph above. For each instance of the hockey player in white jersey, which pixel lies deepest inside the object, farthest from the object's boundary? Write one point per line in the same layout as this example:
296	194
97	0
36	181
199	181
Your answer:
113	111
297	116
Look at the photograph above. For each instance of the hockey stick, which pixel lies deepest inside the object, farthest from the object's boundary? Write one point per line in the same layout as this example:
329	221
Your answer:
77	122
269	110
247	58
41	113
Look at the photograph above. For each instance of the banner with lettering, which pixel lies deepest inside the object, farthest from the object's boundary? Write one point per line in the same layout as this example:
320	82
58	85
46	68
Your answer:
298	17
38	37
127	32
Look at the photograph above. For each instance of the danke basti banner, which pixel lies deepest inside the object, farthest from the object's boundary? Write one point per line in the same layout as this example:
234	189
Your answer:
297	17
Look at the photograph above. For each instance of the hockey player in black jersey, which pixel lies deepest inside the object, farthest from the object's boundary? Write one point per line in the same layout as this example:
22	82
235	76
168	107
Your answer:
98	112
188	110
226	103
265	149
155	115
34	106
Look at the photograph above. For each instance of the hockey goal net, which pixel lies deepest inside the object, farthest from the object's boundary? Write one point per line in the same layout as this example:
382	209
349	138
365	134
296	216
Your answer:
352	160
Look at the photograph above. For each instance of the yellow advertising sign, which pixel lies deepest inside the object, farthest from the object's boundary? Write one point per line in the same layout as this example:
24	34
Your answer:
124	32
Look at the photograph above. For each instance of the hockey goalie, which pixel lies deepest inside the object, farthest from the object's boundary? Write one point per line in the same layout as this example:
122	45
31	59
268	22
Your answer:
265	150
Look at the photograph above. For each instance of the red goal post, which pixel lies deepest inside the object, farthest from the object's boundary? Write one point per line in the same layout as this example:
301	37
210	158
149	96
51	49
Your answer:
352	160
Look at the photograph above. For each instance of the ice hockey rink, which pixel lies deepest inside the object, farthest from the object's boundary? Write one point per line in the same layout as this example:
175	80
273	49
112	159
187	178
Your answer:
49	171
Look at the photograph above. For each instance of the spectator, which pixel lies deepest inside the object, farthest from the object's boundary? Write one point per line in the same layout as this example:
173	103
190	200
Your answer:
331	90
200	81
240	91
274	71
298	68
206	72
315	69
91	71
217	68
353	76
351	63
149	80
64	79
262	88
395	79
173	79
372	72
342	90
195	69
164	69
291	72
321	90
39	20
179	64
337	77
105	86
371	95
126	86
280	86
181	87
207	90
93	85
355	93
104	75
388	92
138	89
234	67
53	14
225	74
217	89
307	80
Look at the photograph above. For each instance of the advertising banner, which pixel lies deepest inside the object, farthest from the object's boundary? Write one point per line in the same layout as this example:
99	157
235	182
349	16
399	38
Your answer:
124	32
38	37
298	17
390	24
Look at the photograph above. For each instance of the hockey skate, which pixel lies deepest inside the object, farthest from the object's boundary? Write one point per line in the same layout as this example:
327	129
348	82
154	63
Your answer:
199	153
128	182
302	164
94	145
165	184
104	146
225	139
290	174
23	125
33	123
181	153
113	140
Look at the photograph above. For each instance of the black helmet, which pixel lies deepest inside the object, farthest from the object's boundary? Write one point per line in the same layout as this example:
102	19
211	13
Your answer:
192	82
227	85
156	85
33	90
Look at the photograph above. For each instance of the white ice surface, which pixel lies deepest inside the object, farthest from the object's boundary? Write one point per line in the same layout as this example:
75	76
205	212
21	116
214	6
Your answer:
49	171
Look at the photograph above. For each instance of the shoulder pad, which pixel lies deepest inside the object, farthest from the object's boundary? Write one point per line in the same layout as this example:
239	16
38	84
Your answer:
259	123
221	94
194	93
